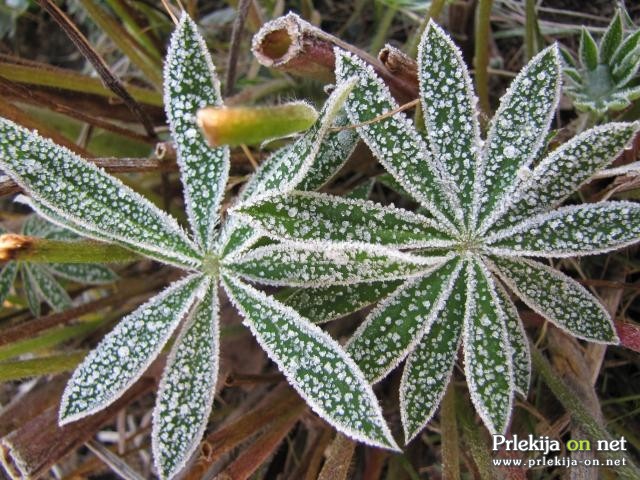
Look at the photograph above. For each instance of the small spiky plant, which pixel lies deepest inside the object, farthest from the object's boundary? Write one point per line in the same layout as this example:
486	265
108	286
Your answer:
75	194
38	279
488	206
605	77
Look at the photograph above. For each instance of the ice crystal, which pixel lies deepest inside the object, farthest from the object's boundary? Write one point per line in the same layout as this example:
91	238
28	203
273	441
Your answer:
485	205
73	193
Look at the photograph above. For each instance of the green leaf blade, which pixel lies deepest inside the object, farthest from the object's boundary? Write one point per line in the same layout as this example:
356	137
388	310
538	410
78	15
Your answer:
449	110
187	388
563	171
588	51
84	198
487	353
7	277
191	83
48	288
396	325
395	141
86	273
429	367
326	303
322	264
315	365
518	130
310	216
560	299
611	39
570	231
126	352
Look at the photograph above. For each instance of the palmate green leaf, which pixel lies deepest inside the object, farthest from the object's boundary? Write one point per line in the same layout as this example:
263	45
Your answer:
569	231
314	364
628	46
321	264
69	191
395	141
47	287
558	298
429	366
398	323
35	226
520	355
7	277
588	51
518	129
87	273
563	171
126	352
627	69
190	83
487	353
30	290
326	303
453	129
311	216
187	388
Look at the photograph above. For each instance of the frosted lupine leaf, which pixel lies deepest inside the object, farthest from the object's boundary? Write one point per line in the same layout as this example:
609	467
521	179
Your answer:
83	196
395	141
89	273
127	351
321	264
35	226
236	237
318	216
290	167
7	277
520	356
449	110
187	388
574	230
30	291
314	364
323	304
48	288
398	323
518	129
335	150
563	171
588	51
487	353
190	83
560	299
428	368
574	76
627	68
611	39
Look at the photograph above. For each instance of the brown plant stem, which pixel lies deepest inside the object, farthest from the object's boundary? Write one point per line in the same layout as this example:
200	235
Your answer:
110	80
292	45
400	65
481	56
234	49
336	466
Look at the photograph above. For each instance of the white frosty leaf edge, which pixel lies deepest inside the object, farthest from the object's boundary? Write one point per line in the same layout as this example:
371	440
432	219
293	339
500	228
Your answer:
197	294
38	274
508	303
215	332
331	109
536	307
535	148
356	202
468	84
426	326
543	169
546	216
229	227
323	337
167	220
411	131
469	308
326	247
222	180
